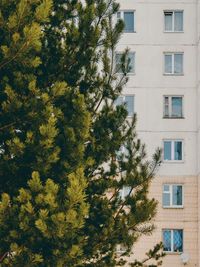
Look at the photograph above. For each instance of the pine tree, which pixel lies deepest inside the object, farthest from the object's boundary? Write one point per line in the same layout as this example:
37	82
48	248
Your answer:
59	125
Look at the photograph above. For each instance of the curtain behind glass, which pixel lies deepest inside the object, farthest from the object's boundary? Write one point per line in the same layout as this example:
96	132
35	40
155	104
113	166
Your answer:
178	241
178	21
167	240
178	63
168	21
168	63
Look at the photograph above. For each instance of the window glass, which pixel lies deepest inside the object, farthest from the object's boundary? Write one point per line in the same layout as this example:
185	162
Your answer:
131	62
168	21
166	188
178	240
166	106
166	199
178	21
177	195
129	105
176	106
178	63
124	192
167	240
119	101
128	100
118	63
129	21
167	150
173	240
118	15
178	150
168	63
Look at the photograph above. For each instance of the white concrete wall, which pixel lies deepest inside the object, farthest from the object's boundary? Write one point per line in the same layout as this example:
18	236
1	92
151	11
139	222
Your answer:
149	84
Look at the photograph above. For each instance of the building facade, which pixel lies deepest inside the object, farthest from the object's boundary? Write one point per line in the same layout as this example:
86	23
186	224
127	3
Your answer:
164	91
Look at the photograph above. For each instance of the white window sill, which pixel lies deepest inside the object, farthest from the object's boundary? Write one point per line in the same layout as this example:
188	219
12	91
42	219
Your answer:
168	117
129	32
173	207
173	74
173	31
128	74
173	252
173	161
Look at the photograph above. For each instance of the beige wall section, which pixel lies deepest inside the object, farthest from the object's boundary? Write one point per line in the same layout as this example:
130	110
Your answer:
199	221
185	218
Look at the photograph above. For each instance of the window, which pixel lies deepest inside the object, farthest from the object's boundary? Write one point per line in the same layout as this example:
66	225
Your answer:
128	18
173	21
120	248
173	107
173	240
172	196
173	150
122	153
173	63
128	100
129	65
124	192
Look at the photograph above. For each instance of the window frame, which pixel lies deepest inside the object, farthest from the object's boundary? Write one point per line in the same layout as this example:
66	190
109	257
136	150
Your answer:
122	18
173	20
171	206
121	53
172	150
170	107
123	102
172	240
173	64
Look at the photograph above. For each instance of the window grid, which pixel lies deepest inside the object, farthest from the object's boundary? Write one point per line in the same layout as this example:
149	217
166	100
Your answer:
121	15
123	99
170	192
173	68
173	27
172	240
173	156
168	106
130	59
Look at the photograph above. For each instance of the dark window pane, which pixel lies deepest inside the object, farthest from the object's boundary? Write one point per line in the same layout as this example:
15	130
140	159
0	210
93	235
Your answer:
177	195
177	150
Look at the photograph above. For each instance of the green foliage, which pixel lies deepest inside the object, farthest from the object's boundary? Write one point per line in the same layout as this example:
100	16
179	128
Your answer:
45	217
59	125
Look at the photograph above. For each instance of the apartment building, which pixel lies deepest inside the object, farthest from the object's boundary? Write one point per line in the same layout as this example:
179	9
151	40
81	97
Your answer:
164	91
